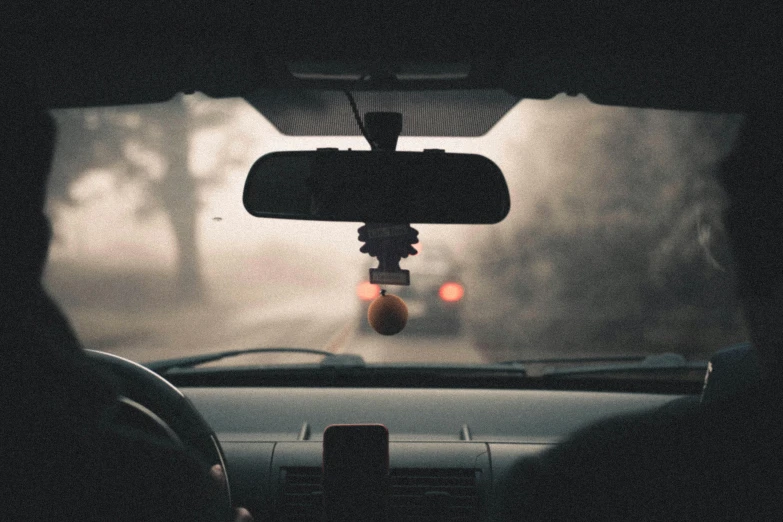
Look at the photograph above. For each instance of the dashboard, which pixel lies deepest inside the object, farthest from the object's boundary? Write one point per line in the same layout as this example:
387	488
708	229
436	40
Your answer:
449	449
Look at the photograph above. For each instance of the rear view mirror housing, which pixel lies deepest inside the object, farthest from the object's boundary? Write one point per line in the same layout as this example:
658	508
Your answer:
377	186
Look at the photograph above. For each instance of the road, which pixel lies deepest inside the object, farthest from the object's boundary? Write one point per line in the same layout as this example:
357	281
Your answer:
309	322
377	348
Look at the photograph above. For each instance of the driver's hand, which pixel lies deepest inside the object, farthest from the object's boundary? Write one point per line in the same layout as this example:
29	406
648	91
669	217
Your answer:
240	514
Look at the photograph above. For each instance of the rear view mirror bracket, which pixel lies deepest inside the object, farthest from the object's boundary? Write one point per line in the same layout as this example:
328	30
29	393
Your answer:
383	129
387	242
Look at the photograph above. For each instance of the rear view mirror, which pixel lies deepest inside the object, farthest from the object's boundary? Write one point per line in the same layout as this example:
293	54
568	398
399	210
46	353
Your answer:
377	187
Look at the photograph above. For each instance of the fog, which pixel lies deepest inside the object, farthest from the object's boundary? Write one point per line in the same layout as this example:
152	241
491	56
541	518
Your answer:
116	261
619	246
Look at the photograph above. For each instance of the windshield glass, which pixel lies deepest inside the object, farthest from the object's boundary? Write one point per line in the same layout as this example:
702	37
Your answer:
613	245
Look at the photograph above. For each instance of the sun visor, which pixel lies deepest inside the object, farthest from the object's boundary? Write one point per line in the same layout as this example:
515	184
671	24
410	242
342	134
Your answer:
309	112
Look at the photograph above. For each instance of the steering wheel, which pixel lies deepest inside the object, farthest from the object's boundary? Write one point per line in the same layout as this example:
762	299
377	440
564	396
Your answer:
149	400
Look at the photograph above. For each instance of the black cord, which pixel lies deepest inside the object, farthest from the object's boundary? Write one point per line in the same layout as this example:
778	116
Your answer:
358	118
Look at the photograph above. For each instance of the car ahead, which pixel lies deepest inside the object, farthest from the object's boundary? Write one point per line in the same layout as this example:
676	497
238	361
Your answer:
435	297
603	292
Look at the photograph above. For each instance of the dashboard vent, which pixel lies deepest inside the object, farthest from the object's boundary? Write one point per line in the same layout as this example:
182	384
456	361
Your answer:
433	494
415	494
301	496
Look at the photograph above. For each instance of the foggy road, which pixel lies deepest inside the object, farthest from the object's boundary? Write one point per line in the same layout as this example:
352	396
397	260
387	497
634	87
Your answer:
297	322
375	348
207	330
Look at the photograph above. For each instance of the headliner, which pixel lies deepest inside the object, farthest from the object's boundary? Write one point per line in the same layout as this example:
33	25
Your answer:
696	55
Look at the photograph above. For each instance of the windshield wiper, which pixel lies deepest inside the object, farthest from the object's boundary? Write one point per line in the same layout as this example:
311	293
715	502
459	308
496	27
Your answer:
164	365
576	360
662	362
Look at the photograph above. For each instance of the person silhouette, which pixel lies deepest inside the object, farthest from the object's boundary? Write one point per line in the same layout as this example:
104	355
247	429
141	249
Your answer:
716	460
65	458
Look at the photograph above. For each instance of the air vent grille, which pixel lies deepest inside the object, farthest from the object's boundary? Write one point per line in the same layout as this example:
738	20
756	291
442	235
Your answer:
433	494
302	493
415	494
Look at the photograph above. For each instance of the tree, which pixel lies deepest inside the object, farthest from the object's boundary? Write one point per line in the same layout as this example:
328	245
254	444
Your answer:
148	144
624	253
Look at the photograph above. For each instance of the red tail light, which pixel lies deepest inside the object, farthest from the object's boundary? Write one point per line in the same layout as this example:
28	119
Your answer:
451	292
367	291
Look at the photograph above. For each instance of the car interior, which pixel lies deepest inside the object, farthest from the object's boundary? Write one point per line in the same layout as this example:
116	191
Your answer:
350	98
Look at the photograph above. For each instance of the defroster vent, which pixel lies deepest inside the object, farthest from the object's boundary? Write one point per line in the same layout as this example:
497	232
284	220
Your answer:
415	494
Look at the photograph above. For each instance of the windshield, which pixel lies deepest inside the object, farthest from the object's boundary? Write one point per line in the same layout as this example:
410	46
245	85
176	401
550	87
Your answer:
613	246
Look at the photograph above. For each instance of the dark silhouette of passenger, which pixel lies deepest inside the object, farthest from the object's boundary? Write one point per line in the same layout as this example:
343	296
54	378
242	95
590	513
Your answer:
63	455
719	460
